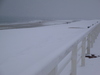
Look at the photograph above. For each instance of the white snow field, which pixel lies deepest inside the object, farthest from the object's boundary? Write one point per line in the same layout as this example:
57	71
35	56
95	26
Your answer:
22	49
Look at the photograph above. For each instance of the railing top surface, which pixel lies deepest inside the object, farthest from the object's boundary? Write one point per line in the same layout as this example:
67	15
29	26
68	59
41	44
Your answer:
31	50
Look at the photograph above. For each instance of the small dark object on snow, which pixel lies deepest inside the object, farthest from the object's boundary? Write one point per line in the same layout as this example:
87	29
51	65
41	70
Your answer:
91	56
88	26
67	22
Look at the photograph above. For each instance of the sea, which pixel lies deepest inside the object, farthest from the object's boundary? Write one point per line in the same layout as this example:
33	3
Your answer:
8	20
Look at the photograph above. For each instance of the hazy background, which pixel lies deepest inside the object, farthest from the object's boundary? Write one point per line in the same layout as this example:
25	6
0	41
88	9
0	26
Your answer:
50	9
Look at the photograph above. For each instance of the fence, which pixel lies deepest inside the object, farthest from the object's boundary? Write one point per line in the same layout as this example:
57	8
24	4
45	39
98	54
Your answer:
50	66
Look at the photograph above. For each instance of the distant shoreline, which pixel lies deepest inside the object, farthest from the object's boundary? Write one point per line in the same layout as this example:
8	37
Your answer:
17	26
36	23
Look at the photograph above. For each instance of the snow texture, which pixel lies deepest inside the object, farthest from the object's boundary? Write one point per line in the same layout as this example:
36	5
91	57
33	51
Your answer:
22	48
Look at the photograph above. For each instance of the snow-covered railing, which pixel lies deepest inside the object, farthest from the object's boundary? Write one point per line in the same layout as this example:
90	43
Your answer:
50	65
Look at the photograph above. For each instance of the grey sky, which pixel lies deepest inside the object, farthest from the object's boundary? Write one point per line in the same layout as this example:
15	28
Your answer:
61	9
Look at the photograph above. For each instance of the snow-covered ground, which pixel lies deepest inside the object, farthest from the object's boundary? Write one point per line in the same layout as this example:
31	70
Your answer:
22	48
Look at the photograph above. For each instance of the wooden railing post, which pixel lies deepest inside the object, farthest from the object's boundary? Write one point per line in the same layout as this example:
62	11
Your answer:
88	44
74	61
83	52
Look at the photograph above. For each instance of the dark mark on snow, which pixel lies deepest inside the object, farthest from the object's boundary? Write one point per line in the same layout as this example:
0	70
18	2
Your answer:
76	27
92	56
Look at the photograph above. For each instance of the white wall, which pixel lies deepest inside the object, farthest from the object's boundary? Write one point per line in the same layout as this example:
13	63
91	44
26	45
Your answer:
60	9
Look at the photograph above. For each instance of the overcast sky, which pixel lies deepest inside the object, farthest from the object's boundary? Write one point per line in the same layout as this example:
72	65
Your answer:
60	9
